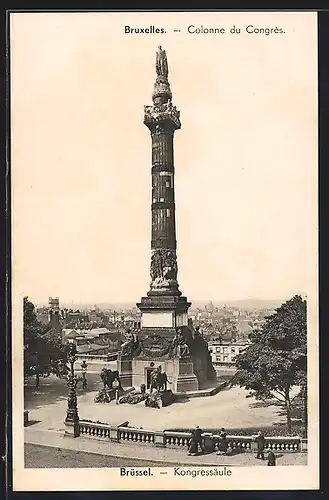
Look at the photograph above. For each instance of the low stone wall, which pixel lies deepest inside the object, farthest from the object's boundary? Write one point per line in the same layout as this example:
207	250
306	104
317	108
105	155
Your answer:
202	392
172	439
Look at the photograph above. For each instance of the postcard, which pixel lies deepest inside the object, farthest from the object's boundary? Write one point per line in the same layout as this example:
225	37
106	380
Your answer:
164	175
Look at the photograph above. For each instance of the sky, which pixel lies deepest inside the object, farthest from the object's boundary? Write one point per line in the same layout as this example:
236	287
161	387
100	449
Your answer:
245	157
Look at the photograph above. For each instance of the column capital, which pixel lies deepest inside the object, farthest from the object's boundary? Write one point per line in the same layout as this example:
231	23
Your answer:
162	118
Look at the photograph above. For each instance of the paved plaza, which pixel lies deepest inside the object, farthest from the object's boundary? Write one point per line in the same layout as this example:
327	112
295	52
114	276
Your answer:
229	408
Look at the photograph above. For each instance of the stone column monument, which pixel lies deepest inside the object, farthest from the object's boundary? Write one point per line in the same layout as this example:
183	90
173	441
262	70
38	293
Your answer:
165	338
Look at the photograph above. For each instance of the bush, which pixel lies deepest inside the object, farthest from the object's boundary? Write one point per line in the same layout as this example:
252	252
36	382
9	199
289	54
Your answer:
269	431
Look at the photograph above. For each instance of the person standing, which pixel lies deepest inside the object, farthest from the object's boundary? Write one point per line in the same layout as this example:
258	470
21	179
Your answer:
222	442
198	438
260	440
192	446
271	458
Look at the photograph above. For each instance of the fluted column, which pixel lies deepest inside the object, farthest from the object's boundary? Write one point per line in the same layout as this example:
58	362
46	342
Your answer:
162	119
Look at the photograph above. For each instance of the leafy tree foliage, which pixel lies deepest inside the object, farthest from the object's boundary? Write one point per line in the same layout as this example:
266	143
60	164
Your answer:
276	360
42	345
226	330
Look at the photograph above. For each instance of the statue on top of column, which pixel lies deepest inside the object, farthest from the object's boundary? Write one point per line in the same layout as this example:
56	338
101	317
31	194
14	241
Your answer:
161	64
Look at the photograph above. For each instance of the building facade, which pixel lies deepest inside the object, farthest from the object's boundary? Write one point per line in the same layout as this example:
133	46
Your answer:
225	354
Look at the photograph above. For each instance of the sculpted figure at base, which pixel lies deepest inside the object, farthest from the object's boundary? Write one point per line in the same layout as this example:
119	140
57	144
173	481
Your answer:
159	380
180	348
130	346
108	377
163	267
133	398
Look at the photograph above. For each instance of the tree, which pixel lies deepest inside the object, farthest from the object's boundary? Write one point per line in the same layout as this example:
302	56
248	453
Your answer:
225	330
276	360
42	345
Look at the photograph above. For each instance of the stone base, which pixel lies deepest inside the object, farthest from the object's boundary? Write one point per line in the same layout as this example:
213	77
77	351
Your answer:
186	380
187	383
179	372
163	312
72	429
162	316
163	302
124	367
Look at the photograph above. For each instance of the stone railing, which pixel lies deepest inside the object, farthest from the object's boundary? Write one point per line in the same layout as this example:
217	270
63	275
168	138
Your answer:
236	443
283	444
175	439
94	429
136	435
124	434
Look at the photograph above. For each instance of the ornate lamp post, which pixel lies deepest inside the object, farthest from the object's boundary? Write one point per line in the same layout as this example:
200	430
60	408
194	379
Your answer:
72	417
84	366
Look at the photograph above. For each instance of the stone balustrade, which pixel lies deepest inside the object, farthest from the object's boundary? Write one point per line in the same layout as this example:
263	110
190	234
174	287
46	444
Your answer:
289	444
173	439
94	429
236	443
136	435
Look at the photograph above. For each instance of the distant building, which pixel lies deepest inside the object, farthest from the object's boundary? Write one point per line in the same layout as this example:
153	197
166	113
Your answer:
99	336
244	327
133	322
74	316
54	313
92	349
225	353
43	315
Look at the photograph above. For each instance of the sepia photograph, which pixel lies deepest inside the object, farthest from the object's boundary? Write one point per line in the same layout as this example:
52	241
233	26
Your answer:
164	218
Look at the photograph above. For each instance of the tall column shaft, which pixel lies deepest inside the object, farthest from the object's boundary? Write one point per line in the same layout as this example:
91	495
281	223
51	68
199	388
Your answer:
162	119
163	192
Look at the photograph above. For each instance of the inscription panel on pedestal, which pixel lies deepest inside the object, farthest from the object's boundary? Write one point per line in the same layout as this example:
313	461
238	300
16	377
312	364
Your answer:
157	319
181	320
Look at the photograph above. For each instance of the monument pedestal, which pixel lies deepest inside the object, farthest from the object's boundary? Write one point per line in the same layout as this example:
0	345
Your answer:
181	377
162	315
186	379
166	312
125	370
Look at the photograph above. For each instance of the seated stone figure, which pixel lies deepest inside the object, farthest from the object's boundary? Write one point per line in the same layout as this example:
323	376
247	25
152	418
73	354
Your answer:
180	347
131	344
133	397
